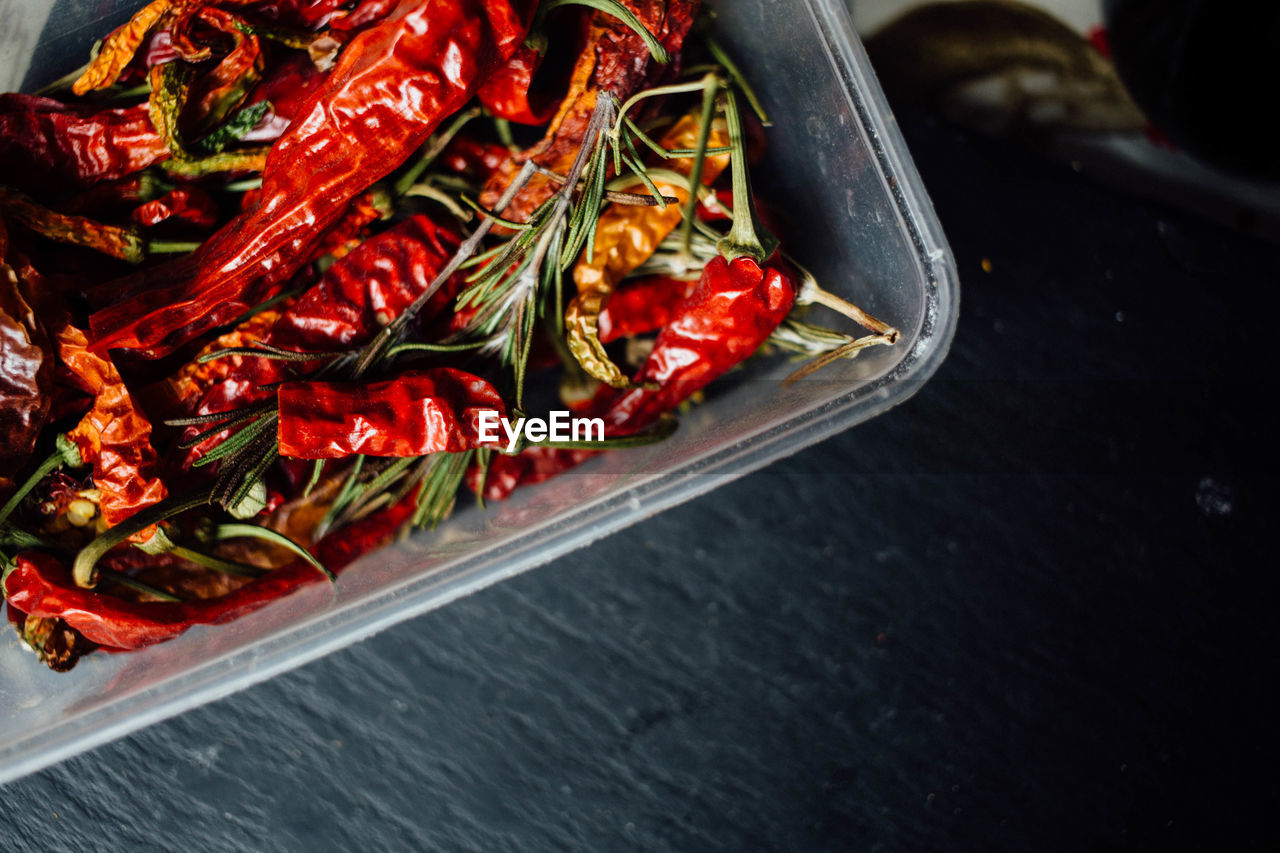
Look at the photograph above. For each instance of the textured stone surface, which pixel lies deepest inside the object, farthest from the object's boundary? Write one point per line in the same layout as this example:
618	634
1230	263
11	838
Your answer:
1022	612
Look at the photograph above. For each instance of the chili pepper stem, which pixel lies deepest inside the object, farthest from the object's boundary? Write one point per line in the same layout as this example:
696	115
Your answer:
84	570
66	453
171	247
849	350
811	292
745	235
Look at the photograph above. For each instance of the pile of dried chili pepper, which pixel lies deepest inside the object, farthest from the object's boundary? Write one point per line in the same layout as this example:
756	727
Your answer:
271	271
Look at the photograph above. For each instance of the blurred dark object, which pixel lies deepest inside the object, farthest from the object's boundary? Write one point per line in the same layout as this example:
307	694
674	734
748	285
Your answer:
1204	73
1000	67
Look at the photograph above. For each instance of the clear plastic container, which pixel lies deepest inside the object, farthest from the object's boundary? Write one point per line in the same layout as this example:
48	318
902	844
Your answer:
862	224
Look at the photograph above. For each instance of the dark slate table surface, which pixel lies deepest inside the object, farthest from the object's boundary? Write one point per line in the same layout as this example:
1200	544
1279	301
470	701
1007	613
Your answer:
1031	609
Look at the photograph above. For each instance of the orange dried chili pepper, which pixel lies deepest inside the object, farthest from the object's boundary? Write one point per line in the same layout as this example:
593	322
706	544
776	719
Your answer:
615	61
115	437
118	49
125	243
626	236
216	94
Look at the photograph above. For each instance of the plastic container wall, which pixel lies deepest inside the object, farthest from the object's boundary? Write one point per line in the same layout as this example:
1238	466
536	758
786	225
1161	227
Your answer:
853	212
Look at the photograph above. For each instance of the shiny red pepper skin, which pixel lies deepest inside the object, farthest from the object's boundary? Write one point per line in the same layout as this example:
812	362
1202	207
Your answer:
191	205
419	412
26	357
44	143
734	308
370	287
345	308
40	586
391	87
642	306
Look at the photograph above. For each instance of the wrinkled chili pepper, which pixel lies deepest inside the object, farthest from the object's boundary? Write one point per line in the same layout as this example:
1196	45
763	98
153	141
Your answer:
119	47
372	286
170	90
218	92
26	369
123	242
392	85
642	306
40	586
43	143
507	472
350	303
734	308
353	228
114	436
191	205
510	94
416	413
57	644
626	236
185	388
135	189
615	61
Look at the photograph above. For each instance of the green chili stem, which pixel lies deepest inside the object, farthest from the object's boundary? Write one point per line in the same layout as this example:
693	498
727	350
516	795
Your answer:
163	247
48	466
217	564
83	570
744	236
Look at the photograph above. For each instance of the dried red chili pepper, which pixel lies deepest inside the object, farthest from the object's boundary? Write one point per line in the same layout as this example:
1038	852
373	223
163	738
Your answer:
734	308
351	302
118	48
114	436
220	91
642	306
370	287
40	586
615	61
507	472
43	143
626	237
471	158
416	413
391	87
510	93
191	205
123	192
27	360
